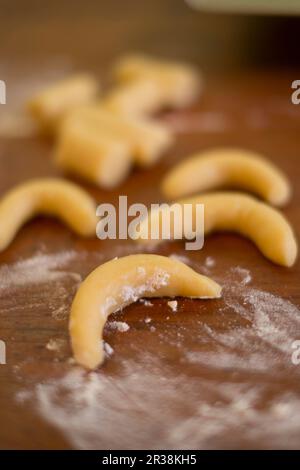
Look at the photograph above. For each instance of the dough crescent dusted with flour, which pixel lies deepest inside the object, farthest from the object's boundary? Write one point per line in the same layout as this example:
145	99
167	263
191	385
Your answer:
118	283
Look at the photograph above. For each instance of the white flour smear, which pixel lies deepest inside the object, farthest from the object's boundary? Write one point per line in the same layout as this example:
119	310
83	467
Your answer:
52	278
240	387
39	269
52	285
148	404
264	343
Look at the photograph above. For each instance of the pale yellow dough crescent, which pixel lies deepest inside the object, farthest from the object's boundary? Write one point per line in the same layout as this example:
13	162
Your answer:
136	98
120	282
243	214
94	156
177	84
147	140
50	105
50	196
237	168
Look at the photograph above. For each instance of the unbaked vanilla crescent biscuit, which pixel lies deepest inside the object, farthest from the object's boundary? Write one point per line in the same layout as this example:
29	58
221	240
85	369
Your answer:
136	98
147	139
178	84
120	282
240	213
237	168
96	157
49	196
50	105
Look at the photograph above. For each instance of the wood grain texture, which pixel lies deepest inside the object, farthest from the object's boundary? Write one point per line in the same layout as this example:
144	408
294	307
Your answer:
164	359
213	374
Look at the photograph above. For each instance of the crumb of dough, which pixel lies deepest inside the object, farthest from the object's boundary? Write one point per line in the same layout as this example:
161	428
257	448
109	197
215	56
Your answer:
54	344
173	304
121	326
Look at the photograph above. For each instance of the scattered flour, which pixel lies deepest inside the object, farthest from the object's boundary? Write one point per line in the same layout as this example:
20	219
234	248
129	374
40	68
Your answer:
109	303
55	344
264	344
52	284
210	262
39	269
148	320
150	284
145	403
108	349
243	273
121	326
146	302
239	379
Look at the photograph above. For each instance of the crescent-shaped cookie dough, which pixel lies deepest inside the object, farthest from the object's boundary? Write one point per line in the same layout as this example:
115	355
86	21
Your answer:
50	196
135	98
118	283
177	84
97	157
50	105
238	212
147	139
236	168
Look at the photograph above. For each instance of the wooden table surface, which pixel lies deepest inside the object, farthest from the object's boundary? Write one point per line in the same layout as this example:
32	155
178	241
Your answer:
213	374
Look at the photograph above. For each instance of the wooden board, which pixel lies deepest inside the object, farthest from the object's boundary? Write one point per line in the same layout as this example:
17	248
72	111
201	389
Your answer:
214	373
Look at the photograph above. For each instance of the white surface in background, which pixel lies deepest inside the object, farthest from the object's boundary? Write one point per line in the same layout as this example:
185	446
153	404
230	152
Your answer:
248	6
